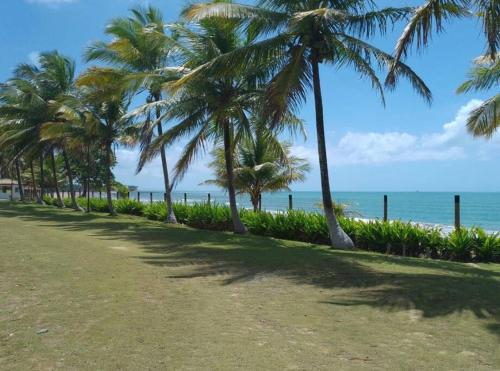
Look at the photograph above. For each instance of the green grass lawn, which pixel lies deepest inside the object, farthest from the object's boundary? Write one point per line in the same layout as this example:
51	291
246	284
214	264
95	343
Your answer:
127	293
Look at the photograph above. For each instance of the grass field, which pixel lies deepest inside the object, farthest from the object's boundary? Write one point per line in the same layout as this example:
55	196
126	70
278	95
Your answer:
127	293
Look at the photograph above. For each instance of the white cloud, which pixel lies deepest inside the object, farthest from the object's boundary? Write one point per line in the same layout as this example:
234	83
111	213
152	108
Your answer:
451	143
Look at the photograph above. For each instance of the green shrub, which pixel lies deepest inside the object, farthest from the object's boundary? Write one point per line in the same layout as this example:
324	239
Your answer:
156	211
128	206
460	245
396	237
486	246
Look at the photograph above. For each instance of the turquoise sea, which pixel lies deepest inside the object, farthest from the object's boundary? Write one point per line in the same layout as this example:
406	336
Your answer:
477	208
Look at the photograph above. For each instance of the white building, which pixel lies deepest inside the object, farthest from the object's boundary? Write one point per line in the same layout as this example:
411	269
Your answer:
9	190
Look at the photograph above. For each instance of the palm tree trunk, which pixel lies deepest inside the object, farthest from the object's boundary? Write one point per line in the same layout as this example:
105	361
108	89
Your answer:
88	178
19	181
74	203
238	226
338	237
33	180
60	202
170	217
42	177
109	177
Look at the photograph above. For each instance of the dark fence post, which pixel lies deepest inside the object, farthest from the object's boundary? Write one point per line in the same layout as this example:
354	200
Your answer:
165	197
100	195
209	198
138	196
185	198
385	208
150	197
128	194
290	202
457	212
260	202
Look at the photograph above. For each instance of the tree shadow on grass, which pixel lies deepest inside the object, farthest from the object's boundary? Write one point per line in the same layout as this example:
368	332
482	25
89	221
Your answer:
436	288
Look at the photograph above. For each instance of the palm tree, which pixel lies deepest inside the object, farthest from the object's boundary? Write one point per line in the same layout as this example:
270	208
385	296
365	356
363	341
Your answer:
22	108
430	17
141	47
262	164
208	107
57	73
105	102
484	120
302	35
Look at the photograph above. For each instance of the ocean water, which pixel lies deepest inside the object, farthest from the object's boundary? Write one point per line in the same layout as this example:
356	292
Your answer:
477	208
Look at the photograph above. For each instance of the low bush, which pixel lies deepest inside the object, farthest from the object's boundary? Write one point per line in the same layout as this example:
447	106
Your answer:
395	237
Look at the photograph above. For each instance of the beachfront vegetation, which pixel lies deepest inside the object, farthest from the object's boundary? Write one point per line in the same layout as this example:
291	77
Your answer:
226	74
262	163
393	238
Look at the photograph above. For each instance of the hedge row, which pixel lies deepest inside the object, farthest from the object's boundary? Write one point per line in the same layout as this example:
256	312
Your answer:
397	238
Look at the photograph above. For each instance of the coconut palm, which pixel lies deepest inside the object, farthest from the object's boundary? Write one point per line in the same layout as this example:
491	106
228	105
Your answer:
23	109
105	102
431	15
209	108
261	164
484	120
57	73
302	35
141	47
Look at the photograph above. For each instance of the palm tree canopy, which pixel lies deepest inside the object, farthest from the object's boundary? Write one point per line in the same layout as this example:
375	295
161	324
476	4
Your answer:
485	120
297	32
432	14
261	164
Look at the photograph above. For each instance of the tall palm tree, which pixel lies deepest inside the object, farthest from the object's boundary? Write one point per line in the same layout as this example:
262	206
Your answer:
485	120
23	108
209	107
302	35
262	164
141	47
105	101
57	73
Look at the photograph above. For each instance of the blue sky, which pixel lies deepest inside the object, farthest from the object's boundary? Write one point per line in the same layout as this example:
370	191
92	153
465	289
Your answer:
406	146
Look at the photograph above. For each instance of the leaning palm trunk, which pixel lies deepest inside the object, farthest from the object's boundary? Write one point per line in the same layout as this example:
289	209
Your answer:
42	177
19	181
60	202
109	175
33	180
338	237
170	217
74	203
238	226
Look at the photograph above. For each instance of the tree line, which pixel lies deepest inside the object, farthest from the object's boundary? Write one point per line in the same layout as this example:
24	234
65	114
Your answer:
227	75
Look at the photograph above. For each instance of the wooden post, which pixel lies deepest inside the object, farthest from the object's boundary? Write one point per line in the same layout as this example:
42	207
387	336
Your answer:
138	196
385	208
128	194
100	195
92	194
290	202
457	212
260	201
185	198
209	198
150	197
